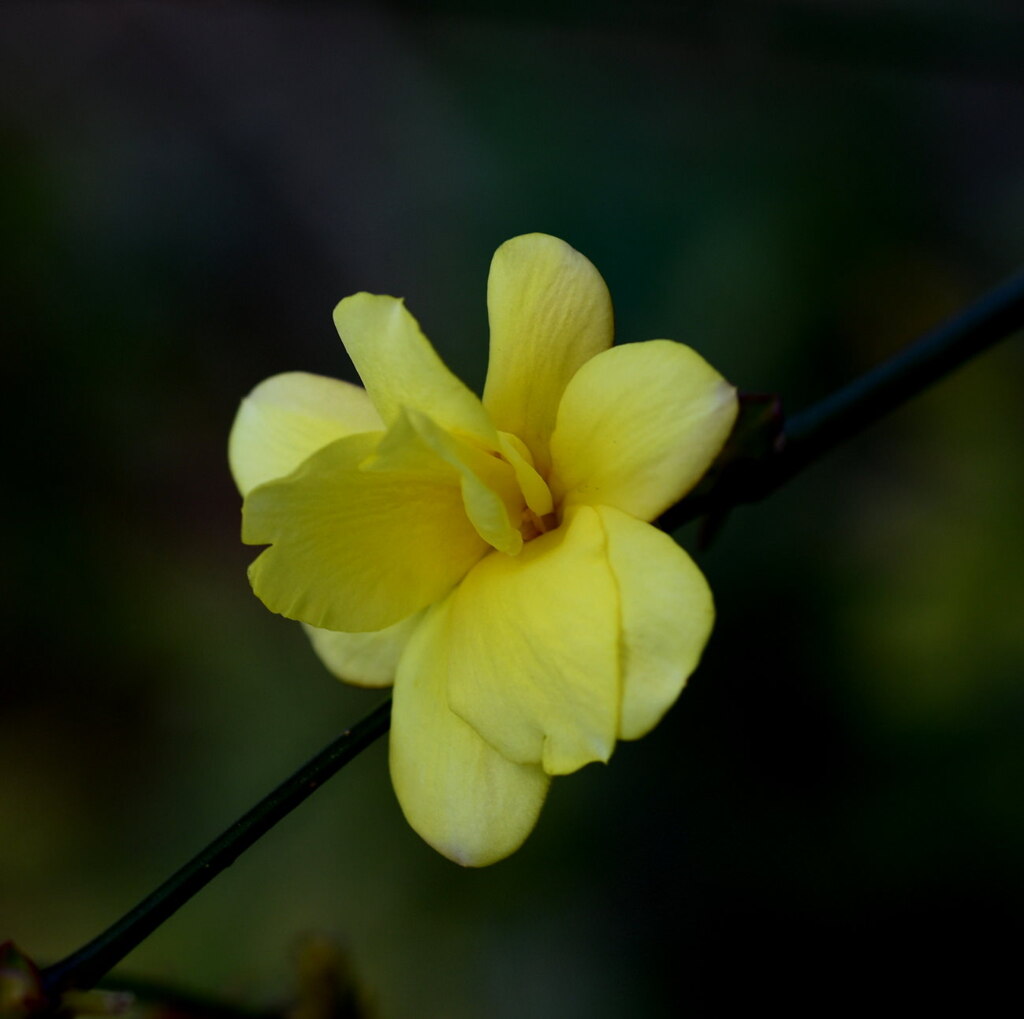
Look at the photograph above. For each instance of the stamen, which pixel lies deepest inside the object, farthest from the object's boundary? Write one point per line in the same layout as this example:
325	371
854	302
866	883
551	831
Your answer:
533	526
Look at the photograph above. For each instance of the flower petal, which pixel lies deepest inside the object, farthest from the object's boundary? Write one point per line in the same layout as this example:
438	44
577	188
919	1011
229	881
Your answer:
400	368
363	659
533	487
465	799
490	494
667	615
287	417
638	426
355	549
549	312
534	649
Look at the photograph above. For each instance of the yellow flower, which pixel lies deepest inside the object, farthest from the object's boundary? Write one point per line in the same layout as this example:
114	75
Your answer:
490	557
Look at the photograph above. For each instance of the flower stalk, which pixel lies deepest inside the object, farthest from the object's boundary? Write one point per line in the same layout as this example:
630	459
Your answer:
771	452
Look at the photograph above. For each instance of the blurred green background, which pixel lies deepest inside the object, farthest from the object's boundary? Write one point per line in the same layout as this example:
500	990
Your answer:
834	808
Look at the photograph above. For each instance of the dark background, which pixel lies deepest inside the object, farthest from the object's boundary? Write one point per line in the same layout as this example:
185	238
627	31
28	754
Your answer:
833	811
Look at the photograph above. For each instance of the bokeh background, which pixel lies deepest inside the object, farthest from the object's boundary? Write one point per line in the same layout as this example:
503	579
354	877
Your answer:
833	811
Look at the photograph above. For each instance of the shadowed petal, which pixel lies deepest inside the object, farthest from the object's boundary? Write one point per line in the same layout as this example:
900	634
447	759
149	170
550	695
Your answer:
534	659
549	312
666	613
638	426
465	799
287	417
363	659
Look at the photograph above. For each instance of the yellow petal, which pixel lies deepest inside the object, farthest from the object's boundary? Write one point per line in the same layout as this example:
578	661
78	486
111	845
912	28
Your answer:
666	613
457	792
534	649
549	312
363	659
400	368
356	550
287	417
490	494
638	426
533	487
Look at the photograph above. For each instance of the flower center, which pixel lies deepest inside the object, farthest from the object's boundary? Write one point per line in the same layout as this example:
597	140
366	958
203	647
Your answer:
532	526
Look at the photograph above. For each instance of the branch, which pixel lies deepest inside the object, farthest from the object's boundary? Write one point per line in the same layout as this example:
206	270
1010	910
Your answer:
85	967
764	452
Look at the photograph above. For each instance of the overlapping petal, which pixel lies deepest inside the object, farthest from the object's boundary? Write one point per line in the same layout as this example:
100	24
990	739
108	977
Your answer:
638	426
490	492
666	614
354	549
462	796
549	312
534	664
400	368
287	417
363	659
534	488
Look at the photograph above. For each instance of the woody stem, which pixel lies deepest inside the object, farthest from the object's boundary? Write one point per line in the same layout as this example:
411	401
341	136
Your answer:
808	435
82	969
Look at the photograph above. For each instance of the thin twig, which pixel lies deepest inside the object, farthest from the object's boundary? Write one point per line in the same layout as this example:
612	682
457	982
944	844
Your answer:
798	441
89	964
